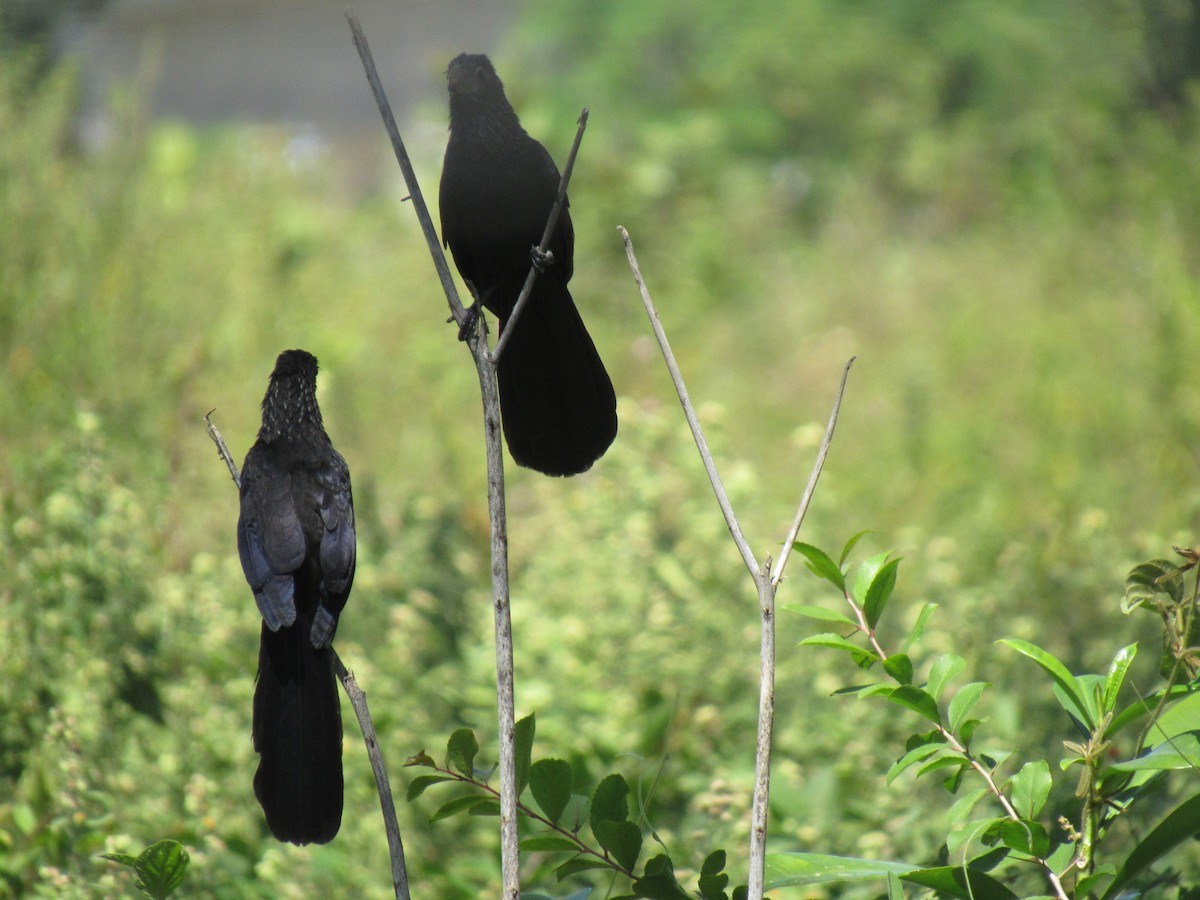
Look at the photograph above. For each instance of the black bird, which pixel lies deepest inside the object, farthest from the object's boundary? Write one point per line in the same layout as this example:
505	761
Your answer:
296	541
498	185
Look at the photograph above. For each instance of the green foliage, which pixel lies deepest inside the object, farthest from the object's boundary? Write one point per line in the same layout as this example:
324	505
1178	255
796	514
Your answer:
158	870
617	838
1014	836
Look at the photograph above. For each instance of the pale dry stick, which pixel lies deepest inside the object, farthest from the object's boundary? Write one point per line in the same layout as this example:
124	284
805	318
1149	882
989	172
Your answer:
689	412
410	178
358	700
810	488
765	582
486	370
559	201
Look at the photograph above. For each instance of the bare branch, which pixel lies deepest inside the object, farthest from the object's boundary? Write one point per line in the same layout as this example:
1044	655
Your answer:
777	574
551	223
222	450
760	807
477	343
694	423
410	177
387	805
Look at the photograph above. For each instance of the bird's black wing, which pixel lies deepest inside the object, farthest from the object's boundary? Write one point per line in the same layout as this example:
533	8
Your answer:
334	501
270	538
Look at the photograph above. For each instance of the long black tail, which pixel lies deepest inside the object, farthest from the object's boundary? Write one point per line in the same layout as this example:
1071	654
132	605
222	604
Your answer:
298	736
556	399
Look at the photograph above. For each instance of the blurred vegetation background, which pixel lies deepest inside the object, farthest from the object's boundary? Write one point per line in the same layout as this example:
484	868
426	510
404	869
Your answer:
995	207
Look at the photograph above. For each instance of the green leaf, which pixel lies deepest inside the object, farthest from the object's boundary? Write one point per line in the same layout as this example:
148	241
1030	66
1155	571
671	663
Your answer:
460	804
623	840
24	818
1030	788
850	544
1115	679
489	807
1072	697
821	565
548	843
1026	837
550	782
880	590
1144	582
1180	717
417	786
962	807
956	881
865	575
160	868
658	881
579	864
944	668
523	732
947	761
461	750
820	613
125	859
900	667
1181	752
861	657
918	754
713	880
918	701
1184	700
961	837
918	628
963	702
608	801
792	869
421	758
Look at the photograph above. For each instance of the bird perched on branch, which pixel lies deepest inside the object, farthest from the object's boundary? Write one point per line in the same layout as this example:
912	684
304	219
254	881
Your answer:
297	546
498	186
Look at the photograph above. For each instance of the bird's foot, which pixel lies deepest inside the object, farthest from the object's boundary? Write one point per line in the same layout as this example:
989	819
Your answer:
467	328
541	260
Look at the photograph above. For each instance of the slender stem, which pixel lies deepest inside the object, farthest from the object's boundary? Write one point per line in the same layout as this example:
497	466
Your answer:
777	573
477	343
222	450
410	177
766	722
358	700
689	412
501	614
551	223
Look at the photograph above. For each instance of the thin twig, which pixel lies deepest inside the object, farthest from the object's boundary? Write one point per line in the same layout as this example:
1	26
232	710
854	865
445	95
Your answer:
358	700
559	202
710	467
777	573
766	581
387	805
410	177
222	450
760	806
477	343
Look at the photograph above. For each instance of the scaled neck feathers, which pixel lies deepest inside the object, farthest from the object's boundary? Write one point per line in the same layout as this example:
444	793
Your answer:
289	409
